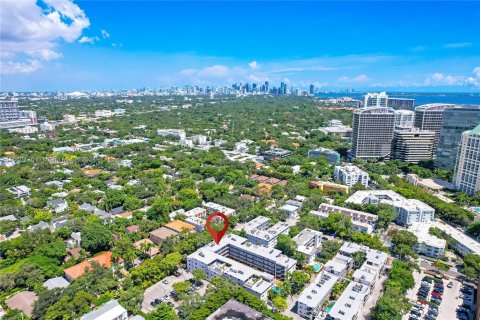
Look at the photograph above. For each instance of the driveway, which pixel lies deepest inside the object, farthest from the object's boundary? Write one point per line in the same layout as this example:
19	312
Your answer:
161	289
373	298
427	266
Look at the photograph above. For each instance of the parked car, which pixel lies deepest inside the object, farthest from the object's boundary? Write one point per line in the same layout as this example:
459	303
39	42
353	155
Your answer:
462	316
416	312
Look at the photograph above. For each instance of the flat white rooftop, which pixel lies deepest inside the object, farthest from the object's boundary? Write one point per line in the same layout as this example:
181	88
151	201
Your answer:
350	302
255	223
388	197
458	236
421	231
267	253
257	281
316	292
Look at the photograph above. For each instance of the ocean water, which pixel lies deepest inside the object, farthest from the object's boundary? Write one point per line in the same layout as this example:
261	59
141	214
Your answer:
420	98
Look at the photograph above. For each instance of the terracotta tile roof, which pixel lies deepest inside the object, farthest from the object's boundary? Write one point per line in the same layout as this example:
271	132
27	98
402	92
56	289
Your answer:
104	259
264	188
134	228
74	251
92	172
126	215
179	226
282	183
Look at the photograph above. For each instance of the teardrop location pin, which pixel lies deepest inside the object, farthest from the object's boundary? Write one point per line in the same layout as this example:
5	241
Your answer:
217	235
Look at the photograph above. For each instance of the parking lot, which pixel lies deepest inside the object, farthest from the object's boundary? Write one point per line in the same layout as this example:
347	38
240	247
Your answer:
163	288
451	300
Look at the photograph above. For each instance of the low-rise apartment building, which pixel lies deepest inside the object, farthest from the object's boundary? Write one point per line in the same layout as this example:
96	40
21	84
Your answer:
268	260
309	243
312	297
259	232
351	175
463	244
179	133
212	207
409	211
332	155
361	221
428	245
350	302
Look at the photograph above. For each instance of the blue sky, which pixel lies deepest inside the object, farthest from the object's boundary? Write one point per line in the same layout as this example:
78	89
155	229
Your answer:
97	45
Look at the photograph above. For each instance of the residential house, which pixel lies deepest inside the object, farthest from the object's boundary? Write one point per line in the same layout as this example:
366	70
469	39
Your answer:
58	205
104	259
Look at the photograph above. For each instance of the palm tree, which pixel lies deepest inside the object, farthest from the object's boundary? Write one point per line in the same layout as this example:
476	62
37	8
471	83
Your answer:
145	247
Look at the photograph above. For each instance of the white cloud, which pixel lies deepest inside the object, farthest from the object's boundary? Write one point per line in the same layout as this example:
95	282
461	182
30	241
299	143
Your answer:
471	81
216	71
85	39
105	34
46	54
254	65
258	78
440	79
30	31
11	67
360	78
458	45
476	71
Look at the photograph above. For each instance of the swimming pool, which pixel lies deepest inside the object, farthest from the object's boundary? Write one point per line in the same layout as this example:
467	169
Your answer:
330	306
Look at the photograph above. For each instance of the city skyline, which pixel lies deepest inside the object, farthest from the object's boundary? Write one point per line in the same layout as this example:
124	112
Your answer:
68	46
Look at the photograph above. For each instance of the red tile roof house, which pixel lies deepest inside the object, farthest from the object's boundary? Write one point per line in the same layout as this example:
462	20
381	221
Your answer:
104	259
132	229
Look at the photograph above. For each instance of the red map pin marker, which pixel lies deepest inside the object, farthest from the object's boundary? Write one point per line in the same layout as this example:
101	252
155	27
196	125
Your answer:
217	235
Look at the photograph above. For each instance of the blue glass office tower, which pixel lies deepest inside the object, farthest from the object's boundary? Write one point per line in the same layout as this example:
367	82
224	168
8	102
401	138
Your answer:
455	121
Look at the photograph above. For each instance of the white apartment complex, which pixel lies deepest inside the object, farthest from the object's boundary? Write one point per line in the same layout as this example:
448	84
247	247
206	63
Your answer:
212	207
313	296
353	298
351	175
379	99
103	113
349	304
179	133
199	139
361	221
409	211
309	243
428	245
404	118
463	244
259	232
234	258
